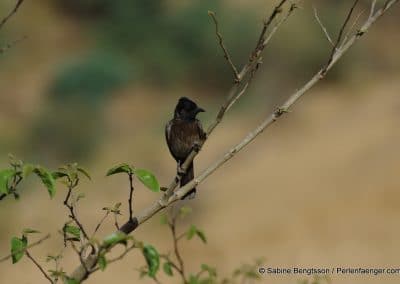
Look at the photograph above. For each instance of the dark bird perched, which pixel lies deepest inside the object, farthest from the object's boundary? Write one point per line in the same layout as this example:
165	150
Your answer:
183	133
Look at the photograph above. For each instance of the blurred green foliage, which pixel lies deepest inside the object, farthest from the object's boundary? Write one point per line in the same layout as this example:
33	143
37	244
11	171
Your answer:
165	44
89	78
71	124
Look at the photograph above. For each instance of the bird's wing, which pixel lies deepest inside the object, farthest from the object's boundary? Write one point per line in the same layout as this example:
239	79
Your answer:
202	134
168	132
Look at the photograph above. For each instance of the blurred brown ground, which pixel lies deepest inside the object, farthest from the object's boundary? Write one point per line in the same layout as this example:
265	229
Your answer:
318	189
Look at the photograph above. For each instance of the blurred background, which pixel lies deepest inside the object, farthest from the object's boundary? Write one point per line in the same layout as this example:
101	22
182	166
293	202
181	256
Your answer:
96	81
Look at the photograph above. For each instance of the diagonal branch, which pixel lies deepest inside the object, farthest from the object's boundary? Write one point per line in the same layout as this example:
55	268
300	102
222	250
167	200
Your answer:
223	47
237	89
323	28
70	205
79	273
38	242
339	38
39	267
13	11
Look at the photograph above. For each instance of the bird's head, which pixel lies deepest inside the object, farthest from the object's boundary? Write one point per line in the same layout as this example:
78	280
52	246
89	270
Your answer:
187	109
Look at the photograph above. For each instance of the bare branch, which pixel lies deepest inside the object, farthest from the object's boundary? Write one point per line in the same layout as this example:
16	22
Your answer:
339	38
38	242
175	238
350	30
130	196
323	28
166	200
100	223
372	10
39	267
267	22
13	11
70	206
223	47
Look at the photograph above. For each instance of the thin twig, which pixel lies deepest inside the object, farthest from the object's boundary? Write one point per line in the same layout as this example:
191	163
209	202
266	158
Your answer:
39	266
339	38
116	221
267	23
121	256
161	203
175	239
73	216
223	47
350	30
166	257
234	92
101	222
13	11
38	242
130	196
323	28
372	10
79	253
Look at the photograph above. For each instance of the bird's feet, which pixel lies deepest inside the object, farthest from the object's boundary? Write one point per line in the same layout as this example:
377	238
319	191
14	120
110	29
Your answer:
180	171
196	146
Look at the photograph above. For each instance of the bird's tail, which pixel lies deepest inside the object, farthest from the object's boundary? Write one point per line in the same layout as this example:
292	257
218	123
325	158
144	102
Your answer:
189	175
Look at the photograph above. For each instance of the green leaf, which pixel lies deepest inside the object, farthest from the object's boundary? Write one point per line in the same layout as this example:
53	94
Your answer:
71	281
27	169
148	179
193	279
80	196
84	172
164	219
184	211
152	258
73	230
18	247
193	230
102	262
5	175
211	270
121	168
47	179
201	235
115	238
167	267
58	175
27	231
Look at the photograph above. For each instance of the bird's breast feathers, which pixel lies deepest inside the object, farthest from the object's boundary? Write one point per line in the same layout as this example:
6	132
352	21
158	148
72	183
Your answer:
181	135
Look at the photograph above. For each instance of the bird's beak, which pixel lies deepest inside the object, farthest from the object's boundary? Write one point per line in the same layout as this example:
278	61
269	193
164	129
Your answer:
199	109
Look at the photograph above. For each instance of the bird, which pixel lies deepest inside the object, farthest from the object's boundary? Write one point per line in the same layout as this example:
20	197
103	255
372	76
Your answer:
183	133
